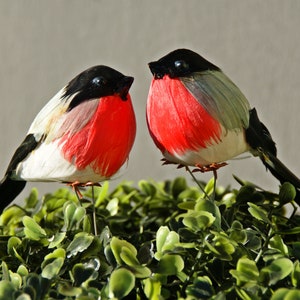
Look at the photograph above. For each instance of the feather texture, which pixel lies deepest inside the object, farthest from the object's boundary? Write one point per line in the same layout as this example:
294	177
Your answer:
92	143
182	117
220	97
185	131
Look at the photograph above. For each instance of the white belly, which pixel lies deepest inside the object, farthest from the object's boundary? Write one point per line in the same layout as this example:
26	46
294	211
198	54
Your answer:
231	144
47	164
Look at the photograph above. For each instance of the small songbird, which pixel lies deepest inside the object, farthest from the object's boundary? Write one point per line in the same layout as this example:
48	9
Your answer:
82	136
198	117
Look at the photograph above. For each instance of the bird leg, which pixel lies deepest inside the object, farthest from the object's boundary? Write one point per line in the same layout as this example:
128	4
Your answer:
75	186
200	168
212	167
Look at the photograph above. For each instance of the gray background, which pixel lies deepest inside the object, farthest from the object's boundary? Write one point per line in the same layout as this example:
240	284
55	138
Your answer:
43	44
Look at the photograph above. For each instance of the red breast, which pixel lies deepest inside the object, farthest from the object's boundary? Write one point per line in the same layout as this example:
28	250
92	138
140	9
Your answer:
177	121
105	141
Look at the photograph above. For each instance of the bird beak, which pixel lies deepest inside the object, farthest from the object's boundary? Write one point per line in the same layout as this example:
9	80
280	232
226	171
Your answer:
123	87
157	70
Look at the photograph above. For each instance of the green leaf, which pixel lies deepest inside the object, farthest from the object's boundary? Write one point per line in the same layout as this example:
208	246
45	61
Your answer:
32	199
258	213
209	188
32	229
201	288
277	270
11	214
121	283
166	240
7	290
69	291
152	288
60	252
209	206
113	206
12	244
147	187
178	185
253	241
24	297
161	237
295	276
117	248
103	193
82	273
128	257
198	220
237	233
69	210
221	246
286	294
56	239
22	270
170	264
52	269
80	243
246	272
16	280
277	243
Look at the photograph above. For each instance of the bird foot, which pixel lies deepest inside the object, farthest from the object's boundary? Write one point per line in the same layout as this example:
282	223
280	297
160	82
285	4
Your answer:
167	162
212	167
199	168
76	185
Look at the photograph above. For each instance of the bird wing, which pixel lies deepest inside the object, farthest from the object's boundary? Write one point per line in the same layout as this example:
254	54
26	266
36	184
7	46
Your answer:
47	121
220	97
55	119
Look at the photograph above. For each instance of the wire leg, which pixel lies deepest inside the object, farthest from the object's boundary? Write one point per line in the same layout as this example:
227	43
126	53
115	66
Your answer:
215	183
94	212
195	179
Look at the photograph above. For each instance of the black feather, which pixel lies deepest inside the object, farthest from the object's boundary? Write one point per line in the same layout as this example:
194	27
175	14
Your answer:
95	82
10	188
179	63
262	144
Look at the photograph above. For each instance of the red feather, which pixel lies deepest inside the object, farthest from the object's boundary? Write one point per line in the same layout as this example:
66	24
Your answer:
105	141
176	120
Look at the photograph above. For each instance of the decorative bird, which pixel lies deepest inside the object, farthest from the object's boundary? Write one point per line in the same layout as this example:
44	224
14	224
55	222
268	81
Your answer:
82	136
198	117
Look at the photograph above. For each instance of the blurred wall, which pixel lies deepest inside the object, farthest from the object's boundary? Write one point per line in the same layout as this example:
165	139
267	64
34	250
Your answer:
45	43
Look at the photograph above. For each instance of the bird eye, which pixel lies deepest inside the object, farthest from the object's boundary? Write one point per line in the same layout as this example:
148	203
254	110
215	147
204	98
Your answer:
181	65
98	81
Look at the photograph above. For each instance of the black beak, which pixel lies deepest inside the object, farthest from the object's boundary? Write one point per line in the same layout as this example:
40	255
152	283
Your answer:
157	70
123	87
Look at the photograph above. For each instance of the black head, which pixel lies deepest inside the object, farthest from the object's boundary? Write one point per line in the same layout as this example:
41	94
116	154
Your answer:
179	63
96	82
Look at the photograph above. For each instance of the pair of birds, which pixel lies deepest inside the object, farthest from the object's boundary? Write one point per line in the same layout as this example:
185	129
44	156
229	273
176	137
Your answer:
195	114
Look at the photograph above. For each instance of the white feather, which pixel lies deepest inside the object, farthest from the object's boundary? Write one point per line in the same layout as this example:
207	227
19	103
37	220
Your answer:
47	118
231	144
47	164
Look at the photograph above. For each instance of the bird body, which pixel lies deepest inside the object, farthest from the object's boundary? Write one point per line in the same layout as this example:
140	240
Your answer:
82	135
191	136
198	117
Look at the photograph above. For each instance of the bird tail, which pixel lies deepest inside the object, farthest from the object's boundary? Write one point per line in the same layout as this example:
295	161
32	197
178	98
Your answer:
278	169
262	145
9	190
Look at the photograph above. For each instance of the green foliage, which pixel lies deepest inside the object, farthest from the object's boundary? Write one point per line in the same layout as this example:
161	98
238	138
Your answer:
156	241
